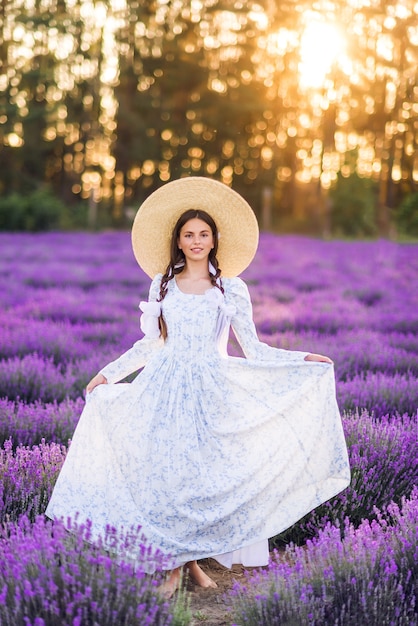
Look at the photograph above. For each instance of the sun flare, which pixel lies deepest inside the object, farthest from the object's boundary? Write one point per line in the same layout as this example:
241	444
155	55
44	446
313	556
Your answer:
321	45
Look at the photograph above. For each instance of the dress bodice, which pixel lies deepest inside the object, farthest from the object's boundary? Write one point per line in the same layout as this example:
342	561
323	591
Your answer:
191	322
197	327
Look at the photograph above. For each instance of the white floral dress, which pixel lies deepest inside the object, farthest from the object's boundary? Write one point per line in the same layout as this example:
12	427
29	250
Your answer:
209	454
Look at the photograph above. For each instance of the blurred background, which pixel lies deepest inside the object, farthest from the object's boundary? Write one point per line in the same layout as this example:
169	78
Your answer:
308	109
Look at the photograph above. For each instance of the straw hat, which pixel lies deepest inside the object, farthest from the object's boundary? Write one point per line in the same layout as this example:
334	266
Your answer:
154	223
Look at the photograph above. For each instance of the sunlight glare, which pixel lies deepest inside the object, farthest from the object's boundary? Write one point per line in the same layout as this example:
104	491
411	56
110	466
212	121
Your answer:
321	45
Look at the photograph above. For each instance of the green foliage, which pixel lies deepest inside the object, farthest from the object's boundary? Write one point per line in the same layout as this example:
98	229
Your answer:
39	210
353	211
182	615
205	90
406	216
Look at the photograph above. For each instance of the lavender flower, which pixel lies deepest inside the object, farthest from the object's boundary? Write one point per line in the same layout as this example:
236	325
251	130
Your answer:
28	423
367	577
380	393
27	477
48	576
72	307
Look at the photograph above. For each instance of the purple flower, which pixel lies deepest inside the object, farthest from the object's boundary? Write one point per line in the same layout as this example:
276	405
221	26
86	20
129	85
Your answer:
72	307
362	575
48	576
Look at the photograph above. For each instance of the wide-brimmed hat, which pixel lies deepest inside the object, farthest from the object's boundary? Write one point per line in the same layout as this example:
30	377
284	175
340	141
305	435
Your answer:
154	223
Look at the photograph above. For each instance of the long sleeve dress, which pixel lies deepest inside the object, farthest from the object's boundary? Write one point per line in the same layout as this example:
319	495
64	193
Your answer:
210	454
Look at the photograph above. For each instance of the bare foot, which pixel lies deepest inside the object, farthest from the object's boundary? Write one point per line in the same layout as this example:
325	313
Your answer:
169	587
199	577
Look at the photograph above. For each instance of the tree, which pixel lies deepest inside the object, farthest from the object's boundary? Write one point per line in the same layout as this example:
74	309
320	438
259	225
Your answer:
106	101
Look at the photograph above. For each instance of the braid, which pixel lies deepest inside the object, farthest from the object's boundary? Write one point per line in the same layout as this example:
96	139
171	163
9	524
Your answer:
215	279
163	287
173	268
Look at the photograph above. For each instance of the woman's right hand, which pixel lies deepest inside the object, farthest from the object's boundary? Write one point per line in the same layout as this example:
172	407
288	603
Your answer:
99	379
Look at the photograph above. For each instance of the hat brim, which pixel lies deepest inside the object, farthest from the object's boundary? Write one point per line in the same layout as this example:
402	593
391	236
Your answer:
155	220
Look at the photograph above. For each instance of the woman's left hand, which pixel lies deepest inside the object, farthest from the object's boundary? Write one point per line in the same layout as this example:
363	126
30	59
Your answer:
318	358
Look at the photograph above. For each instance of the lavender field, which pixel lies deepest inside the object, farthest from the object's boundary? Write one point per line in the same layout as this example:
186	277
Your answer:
70	305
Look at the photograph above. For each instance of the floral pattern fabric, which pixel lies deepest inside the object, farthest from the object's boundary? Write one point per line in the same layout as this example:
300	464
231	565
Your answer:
209	454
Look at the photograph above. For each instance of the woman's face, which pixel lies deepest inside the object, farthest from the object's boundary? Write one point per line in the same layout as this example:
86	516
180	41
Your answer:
195	240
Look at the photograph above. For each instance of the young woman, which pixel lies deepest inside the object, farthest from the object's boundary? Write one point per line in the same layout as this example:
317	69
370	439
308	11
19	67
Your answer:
210	454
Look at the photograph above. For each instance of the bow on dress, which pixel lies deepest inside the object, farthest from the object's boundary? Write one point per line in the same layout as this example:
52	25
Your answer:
151	311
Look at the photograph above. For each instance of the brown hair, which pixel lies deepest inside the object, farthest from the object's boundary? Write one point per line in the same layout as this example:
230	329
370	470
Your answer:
177	259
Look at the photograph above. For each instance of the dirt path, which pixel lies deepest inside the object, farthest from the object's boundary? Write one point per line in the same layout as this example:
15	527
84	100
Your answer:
208	606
